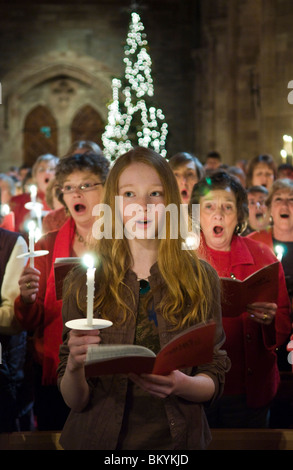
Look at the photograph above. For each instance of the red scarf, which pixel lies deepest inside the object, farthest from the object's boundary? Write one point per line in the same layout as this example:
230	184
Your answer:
53	324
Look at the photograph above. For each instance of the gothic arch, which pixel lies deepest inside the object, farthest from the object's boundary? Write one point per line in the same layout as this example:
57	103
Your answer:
21	86
39	134
87	124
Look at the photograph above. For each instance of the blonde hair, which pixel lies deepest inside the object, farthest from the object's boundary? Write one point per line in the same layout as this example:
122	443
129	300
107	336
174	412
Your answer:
184	276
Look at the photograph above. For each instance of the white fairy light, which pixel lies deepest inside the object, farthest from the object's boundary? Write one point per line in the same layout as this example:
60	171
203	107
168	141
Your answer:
123	114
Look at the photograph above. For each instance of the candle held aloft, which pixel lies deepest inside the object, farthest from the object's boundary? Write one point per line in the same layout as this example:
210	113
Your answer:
31	227
33	191
90	282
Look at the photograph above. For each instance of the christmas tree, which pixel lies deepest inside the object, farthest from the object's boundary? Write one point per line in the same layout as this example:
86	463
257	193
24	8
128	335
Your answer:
132	118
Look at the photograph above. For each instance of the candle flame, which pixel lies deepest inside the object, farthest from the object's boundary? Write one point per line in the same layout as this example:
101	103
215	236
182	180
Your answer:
31	225
88	260
33	190
279	249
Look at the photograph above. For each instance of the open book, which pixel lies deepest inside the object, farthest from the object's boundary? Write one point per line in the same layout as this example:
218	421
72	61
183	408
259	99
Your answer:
62	266
189	349
261	286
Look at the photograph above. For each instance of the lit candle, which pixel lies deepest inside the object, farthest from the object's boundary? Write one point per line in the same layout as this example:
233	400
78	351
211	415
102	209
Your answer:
31	227
90	277
5	209
279	250
38	212
33	191
287	144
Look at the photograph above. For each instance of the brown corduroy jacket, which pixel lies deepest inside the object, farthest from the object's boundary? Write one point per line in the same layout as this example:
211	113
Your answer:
98	426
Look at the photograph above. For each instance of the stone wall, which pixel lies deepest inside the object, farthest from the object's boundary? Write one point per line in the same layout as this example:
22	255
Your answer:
41	42
243	67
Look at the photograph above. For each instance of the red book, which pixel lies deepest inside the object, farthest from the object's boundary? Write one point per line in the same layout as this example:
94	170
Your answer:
261	286
189	349
62	266
8	222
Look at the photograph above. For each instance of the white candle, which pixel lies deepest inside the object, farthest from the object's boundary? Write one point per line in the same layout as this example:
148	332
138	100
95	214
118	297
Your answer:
279	250
38	212
33	191
287	144
31	227
90	278
5	210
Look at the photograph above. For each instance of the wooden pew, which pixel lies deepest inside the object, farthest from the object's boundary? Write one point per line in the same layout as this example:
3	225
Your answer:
223	439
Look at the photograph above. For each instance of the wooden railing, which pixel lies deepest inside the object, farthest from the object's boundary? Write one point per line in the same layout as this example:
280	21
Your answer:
223	439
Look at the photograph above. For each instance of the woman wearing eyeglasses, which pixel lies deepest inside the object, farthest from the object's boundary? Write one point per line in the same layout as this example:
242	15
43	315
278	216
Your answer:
81	179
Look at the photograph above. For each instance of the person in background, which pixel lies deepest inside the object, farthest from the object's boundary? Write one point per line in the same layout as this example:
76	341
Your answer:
42	172
7	191
26	182
261	171
285	170
7	188
81	178
57	216
258	214
279	238
16	397
81	146
213	161
238	173
148	411
188	170
252	337
242	164
23	171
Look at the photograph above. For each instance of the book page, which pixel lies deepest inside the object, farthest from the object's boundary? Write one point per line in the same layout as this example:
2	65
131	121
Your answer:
99	352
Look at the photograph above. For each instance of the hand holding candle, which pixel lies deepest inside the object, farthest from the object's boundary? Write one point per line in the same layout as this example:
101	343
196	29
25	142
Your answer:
90	277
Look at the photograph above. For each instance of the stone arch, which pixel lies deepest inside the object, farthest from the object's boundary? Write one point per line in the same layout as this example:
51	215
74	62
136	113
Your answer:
39	134
21	92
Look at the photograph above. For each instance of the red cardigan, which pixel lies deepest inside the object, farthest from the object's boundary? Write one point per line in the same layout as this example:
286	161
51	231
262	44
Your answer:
250	345
263	236
44	317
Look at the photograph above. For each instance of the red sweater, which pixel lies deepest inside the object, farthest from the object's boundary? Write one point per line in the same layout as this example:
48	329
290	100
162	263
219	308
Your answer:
251	346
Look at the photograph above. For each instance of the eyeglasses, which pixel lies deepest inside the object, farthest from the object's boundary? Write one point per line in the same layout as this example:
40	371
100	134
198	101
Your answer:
256	203
84	187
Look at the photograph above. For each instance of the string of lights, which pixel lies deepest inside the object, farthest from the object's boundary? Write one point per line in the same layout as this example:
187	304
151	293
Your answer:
132	118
